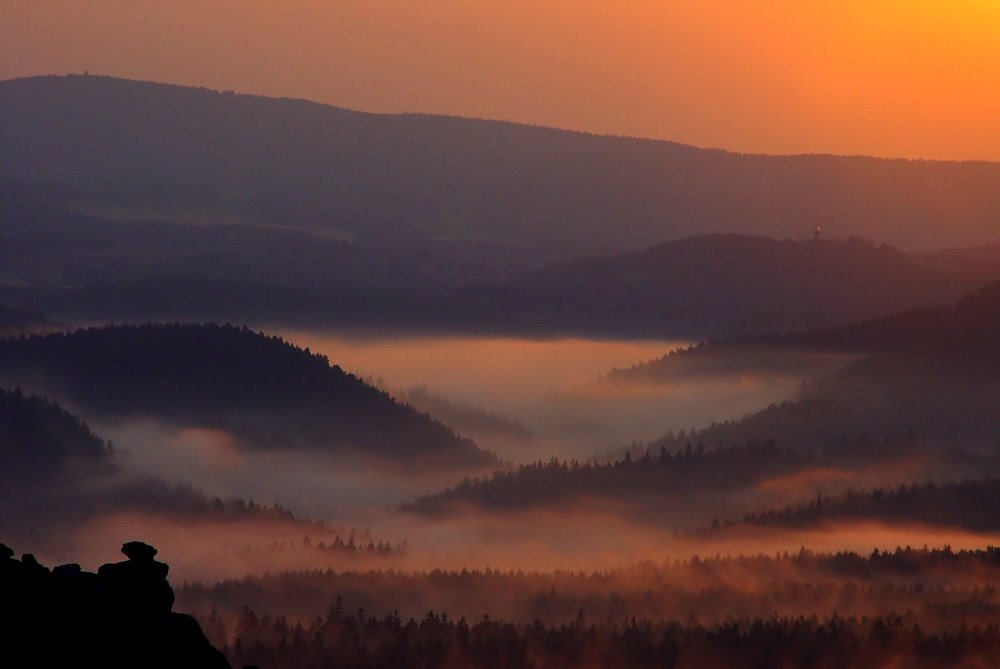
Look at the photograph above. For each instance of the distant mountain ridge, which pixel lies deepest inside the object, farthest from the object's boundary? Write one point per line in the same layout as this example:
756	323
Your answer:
720	285
709	286
970	328
302	163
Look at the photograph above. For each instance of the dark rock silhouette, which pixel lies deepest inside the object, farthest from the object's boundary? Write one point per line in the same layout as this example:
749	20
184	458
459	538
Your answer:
140	583
119	617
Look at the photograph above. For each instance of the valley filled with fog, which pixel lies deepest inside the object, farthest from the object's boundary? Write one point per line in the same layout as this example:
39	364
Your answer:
401	391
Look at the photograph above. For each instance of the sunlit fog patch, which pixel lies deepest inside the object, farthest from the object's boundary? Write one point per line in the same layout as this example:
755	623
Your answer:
215	449
557	387
494	371
337	487
837	535
544	539
807	483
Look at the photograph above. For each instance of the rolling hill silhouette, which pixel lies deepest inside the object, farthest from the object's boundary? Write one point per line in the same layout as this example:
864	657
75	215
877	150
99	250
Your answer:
932	370
267	392
295	162
705	286
724	285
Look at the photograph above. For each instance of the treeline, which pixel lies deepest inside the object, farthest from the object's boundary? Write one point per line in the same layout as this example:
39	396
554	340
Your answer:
720	358
466	418
969	327
942	588
882	396
57	474
802	424
186	501
329	541
972	504
361	641
933	370
721	285
669	475
38	438
266	391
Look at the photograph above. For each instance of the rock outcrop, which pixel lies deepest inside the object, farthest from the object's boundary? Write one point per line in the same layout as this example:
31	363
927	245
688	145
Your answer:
119	617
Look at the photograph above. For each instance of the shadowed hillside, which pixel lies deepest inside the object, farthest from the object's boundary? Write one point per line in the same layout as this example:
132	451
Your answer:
267	392
974	505
969	329
934	371
694	484
725	285
85	268
39	439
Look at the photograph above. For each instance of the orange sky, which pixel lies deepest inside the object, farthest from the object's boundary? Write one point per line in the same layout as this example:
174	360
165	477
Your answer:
911	78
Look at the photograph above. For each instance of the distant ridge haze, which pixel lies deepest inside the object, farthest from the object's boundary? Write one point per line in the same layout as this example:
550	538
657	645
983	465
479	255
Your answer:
893	78
298	163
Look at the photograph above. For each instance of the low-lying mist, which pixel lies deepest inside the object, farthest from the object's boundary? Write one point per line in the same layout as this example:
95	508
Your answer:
311	483
557	388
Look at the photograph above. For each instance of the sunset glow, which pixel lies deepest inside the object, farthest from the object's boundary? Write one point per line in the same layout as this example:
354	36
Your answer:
907	78
441	334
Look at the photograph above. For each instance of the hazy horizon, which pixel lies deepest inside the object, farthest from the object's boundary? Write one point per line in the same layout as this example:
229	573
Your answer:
906	79
389	334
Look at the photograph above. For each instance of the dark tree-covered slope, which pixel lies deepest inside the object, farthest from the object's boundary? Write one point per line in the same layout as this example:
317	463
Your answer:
711	589
38	438
366	642
292	161
968	328
56	475
265	390
706	286
932	370
694	482
971	504
725	285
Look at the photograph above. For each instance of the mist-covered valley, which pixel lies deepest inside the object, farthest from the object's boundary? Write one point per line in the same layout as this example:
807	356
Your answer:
395	391
574	464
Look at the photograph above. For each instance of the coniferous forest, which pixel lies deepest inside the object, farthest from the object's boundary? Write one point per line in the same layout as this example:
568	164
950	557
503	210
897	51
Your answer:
500	335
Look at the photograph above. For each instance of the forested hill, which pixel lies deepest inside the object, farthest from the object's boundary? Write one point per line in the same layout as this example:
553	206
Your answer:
726	285
296	162
39	438
693	483
971	326
266	391
972	504
56	475
893	380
